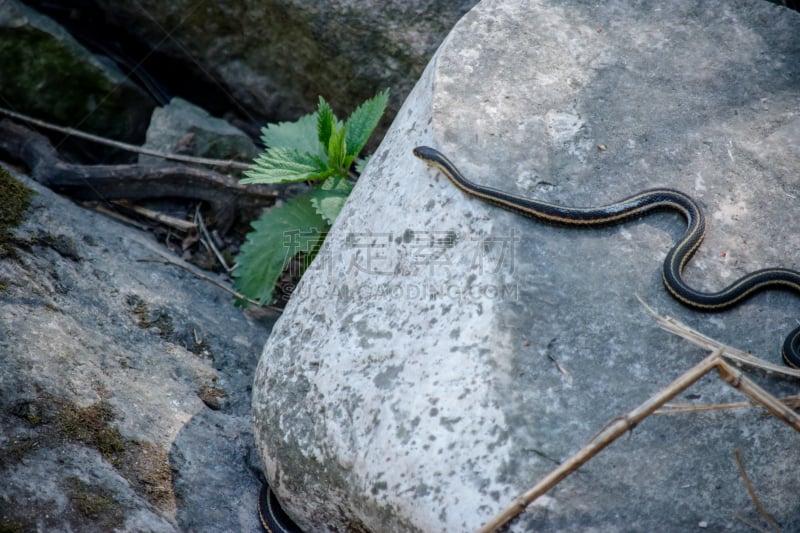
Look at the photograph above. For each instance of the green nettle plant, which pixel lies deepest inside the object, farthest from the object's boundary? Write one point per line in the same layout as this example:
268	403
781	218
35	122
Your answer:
317	147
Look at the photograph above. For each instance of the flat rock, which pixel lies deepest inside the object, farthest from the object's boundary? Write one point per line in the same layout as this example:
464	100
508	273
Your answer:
443	355
124	383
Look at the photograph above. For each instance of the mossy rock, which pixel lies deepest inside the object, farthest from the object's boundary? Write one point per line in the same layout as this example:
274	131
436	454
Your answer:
62	82
16	199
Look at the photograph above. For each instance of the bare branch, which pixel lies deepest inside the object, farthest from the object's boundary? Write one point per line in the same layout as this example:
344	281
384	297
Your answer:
613	430
695	337
752	491
618	426
125	146
224	194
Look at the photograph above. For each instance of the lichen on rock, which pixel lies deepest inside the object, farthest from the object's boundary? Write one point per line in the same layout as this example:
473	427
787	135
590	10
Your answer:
16	200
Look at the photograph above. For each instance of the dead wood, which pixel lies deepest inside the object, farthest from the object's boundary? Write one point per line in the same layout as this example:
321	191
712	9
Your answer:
622	424
608	434
71	132
223	194
751	490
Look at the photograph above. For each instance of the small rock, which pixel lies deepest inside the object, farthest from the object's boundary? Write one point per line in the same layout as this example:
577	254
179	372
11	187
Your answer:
183	128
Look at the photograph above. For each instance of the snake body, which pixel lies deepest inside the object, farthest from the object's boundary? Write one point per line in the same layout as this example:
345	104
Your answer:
272	517
634	206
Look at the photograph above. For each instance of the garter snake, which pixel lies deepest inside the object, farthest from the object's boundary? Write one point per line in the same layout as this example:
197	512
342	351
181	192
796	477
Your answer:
633	206
273	519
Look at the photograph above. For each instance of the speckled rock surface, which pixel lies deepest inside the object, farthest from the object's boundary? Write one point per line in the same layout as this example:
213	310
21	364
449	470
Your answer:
124	383
444	355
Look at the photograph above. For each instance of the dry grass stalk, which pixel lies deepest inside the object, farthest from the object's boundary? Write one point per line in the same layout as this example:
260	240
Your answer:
172	222
752	492
170	259
613	430
620	425
682	408
739	381
224	163
208	241
695	337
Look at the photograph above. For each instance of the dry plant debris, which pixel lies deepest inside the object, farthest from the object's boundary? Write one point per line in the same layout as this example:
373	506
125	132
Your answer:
620	425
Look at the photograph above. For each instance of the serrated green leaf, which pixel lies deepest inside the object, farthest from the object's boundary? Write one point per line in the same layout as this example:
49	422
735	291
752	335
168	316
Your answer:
361	164
363	121
330	196
277	237
337	149
279	165
300	135
326	122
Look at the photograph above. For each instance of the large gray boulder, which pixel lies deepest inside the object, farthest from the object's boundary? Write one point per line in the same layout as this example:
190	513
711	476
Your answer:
443	355
275	57
124	381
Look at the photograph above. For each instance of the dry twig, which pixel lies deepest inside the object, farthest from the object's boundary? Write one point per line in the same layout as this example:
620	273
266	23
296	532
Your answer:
172	222
682	408
736	379
209	241
614	429
695	337
170	260
224	194
618	426
752	491
124	146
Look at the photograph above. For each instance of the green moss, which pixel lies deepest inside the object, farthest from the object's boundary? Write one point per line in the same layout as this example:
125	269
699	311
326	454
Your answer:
29	410
16	200
60	243
12	525
92	505
16	450
164	324
54	421
146	320
149	471
91	426
95	503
